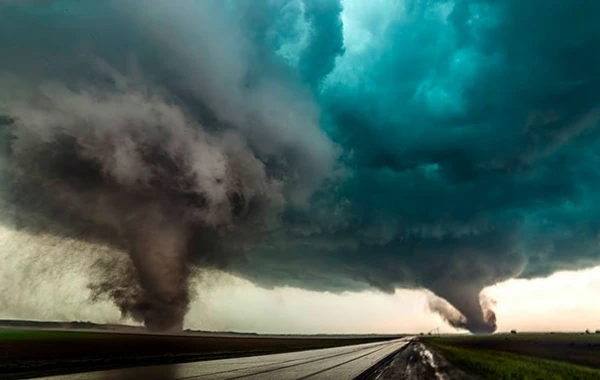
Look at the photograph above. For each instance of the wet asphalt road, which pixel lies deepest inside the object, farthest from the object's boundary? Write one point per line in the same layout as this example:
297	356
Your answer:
337	363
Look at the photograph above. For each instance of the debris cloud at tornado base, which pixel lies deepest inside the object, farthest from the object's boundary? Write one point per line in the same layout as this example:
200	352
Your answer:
307	143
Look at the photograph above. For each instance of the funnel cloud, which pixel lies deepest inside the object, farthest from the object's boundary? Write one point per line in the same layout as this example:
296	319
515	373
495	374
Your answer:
324	144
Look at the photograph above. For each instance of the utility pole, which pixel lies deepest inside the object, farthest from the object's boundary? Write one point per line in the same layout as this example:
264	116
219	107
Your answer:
435	331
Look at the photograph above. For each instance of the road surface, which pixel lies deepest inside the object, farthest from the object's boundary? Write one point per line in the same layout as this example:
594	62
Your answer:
337	363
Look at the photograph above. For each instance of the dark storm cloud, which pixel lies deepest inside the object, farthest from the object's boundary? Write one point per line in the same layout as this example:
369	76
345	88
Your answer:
165	142
461	147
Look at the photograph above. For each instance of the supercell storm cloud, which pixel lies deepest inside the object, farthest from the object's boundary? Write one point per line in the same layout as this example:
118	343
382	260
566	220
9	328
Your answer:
324	144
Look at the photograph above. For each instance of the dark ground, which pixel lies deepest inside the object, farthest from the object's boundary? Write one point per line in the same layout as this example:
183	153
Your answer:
417	362
582	349
494	357
30	353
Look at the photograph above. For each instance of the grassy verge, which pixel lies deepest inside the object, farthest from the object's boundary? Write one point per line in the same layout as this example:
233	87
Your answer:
528	336
504	366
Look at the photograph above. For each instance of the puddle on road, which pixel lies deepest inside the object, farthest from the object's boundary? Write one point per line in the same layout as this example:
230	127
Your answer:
429	361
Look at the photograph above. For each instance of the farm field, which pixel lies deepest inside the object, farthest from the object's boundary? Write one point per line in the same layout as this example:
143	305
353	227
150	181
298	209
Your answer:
522	356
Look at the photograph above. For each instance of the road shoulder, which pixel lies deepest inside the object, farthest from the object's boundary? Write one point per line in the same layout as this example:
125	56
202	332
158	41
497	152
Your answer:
417	362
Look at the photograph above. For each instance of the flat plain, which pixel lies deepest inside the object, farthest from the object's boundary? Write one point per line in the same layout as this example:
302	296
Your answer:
522	356
31	353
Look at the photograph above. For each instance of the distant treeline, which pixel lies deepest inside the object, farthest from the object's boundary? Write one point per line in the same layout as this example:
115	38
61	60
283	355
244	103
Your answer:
65	325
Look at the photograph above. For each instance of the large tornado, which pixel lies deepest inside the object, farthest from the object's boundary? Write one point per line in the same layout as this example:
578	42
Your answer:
129	170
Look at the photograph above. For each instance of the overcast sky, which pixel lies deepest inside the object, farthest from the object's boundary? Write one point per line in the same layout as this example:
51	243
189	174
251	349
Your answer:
561	302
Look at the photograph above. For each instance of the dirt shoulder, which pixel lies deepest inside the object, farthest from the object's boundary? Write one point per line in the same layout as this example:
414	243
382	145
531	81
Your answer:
418	362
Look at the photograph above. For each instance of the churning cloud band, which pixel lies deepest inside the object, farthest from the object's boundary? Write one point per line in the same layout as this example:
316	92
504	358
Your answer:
325	144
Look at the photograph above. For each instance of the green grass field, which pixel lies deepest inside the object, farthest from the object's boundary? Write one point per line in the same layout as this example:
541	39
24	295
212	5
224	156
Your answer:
492	364
546	337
